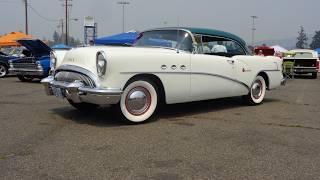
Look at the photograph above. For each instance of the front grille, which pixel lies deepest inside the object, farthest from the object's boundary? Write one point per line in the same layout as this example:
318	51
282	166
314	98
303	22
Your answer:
25	65
69	76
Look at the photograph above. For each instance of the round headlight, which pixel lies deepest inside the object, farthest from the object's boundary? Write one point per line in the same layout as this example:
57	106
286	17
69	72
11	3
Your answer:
53	60
101	63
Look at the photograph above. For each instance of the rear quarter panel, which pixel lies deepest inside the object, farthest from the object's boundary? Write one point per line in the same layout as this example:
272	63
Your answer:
248	67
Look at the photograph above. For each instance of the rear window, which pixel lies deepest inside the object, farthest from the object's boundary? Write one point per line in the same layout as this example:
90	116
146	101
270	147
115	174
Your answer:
303	55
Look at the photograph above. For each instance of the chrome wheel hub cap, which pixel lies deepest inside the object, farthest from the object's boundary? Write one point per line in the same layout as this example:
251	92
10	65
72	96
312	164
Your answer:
138	101
256	89
2	71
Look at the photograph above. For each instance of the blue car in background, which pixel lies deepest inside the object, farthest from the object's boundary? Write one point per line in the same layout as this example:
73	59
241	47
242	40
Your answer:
4	63
34	62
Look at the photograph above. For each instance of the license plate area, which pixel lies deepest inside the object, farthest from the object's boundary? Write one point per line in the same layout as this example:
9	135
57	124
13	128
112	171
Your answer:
58	92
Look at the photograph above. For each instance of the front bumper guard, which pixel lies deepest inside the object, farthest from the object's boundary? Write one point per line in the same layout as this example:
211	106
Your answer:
77	92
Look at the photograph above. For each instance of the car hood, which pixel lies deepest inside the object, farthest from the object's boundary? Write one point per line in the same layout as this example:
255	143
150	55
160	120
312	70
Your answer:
36	46
86	57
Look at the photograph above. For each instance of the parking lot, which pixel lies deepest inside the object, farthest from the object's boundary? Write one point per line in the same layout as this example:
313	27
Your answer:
44	138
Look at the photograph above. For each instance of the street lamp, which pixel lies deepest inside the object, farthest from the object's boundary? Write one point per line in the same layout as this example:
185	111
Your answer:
253	29
123	3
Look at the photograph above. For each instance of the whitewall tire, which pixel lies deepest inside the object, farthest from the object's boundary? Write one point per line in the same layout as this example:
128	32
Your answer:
257	91
139	101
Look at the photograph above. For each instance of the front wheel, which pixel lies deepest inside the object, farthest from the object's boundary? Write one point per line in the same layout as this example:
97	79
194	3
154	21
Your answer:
25	78
139	101
257	91
3	70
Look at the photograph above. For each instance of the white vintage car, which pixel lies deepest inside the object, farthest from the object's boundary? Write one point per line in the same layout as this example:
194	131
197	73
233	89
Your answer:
167	65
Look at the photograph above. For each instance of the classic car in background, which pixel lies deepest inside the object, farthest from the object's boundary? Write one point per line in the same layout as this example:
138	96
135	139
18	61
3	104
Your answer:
35	62
4	64
168	65
264	50
302	61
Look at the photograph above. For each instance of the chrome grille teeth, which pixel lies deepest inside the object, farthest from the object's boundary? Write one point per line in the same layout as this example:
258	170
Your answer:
25	65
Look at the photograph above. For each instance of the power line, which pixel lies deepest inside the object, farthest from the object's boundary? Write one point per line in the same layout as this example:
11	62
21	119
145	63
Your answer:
41	16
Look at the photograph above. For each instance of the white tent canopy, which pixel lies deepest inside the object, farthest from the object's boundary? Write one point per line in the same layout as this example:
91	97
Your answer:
278	48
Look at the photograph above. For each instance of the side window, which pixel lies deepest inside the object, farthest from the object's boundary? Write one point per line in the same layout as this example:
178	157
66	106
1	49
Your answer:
220	46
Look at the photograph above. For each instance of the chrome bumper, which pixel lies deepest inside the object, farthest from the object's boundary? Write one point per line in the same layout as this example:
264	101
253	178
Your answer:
305	69
77	92
30	72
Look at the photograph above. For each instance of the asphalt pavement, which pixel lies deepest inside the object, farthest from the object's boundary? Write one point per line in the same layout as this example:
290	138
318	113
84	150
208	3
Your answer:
43	137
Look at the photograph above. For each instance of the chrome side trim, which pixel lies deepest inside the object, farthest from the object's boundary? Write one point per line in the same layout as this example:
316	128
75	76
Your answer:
198	73
275	70
78	69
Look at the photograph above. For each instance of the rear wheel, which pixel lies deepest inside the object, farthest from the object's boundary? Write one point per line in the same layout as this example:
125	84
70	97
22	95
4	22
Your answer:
257	91
3	70
139	101
25	78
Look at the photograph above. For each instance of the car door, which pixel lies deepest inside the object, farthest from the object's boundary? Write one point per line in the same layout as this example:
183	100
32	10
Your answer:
213	75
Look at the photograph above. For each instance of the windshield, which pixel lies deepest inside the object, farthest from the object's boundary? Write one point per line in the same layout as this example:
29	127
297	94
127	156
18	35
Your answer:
173	39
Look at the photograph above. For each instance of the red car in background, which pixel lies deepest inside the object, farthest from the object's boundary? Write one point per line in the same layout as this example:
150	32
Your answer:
264	50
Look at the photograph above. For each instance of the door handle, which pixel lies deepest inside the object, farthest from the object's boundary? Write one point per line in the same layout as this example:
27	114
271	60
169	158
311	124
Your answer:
183	67
230	61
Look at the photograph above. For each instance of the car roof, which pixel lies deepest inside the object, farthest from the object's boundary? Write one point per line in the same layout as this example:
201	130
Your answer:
210	32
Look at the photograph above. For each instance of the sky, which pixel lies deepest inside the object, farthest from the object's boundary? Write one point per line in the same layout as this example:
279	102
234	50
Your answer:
277	19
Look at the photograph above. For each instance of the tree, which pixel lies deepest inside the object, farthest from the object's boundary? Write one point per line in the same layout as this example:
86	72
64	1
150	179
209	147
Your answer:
315	41
56	37
302	39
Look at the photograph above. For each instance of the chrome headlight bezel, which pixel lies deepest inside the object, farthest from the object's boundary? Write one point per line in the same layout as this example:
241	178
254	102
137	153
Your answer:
53	60
101	63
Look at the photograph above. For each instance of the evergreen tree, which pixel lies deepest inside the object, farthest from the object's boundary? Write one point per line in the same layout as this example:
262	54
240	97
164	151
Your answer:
315	41
302	39
56	37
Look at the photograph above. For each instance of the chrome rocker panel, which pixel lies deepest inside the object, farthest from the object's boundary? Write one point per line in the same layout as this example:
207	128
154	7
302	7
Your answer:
77	92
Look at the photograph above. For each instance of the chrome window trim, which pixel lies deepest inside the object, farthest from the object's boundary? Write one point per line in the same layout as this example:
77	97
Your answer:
178	29
244	49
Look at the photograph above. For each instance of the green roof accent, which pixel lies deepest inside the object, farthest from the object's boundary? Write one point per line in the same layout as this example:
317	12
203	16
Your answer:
213	32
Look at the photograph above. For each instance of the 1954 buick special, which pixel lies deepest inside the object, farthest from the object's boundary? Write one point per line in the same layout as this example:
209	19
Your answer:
167	65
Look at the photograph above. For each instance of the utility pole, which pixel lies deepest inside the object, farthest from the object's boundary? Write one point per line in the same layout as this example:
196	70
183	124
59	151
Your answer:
66	38
123	3
66	5
26	16
253	29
